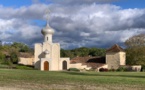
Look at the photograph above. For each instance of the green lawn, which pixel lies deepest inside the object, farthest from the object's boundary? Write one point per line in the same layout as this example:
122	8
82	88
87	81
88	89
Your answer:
42	80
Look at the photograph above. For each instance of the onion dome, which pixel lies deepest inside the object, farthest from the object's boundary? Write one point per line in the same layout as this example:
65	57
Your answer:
47	30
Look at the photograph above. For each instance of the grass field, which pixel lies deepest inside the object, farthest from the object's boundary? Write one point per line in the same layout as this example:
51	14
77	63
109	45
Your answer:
41	80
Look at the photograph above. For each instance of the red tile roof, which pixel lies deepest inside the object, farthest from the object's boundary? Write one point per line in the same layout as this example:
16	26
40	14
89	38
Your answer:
94	65
115	48
93	62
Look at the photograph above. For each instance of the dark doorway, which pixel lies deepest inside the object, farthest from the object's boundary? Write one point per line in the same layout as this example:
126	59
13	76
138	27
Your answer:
46	66
64	65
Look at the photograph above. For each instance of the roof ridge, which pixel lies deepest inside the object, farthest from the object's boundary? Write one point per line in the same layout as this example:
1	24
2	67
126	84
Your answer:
115	48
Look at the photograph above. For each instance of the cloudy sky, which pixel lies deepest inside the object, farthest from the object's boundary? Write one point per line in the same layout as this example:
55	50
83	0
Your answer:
77	23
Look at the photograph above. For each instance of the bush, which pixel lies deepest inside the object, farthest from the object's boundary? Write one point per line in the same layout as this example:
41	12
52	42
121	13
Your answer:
143	68
103	70
112	70
122	69
73	69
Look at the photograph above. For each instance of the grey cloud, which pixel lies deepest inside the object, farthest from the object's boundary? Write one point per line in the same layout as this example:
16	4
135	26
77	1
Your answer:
106	24
19	32
35	11
93	25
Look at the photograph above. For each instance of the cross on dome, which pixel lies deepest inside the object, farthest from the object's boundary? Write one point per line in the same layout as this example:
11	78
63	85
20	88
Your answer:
47	14
47	31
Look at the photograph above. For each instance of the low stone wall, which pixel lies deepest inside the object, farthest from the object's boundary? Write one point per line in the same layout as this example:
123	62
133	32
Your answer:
136	68
26	61
104	66
79	66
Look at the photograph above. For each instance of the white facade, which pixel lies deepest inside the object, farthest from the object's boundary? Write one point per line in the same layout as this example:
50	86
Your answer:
47	54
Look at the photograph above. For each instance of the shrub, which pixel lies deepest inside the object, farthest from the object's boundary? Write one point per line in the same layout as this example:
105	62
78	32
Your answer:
73	69
103	69
122	69
143	68
112	70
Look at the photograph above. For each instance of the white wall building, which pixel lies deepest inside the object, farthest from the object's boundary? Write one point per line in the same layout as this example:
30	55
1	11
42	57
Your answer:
47	54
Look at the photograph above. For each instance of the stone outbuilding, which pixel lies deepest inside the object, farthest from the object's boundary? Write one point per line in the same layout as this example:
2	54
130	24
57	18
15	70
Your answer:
115	57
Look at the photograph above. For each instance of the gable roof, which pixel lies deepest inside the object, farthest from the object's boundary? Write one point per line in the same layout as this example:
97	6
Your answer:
80	59
88	59
93	62
115	48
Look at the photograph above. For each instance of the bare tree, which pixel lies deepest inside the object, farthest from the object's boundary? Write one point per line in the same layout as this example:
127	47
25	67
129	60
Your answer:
137	40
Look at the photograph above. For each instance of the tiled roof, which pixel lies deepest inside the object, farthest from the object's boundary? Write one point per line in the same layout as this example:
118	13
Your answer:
80	59
115	48
93	62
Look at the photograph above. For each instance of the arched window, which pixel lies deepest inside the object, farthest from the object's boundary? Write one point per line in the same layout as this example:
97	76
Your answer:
64	65
47	38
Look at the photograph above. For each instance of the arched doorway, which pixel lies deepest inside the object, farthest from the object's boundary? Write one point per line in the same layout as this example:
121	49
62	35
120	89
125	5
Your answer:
46	66
64	65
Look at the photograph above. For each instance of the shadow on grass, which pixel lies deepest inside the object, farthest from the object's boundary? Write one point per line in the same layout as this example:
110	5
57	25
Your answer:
104	74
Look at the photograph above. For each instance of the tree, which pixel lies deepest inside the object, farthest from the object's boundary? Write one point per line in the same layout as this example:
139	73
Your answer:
14	55
97	52
2	57
135	52
21	47
83	51
66	53
9	54
135	41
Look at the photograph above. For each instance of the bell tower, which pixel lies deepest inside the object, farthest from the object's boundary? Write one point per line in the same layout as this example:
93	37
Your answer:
47	54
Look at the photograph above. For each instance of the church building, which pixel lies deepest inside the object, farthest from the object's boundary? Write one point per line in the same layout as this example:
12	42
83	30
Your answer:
47	54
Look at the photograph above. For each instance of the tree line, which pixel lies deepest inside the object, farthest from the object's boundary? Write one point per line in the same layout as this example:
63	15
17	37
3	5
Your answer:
9	54
83	51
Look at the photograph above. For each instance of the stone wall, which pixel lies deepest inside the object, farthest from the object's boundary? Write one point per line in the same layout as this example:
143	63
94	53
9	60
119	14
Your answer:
79	66
104	66
115	59
26	61
136	68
